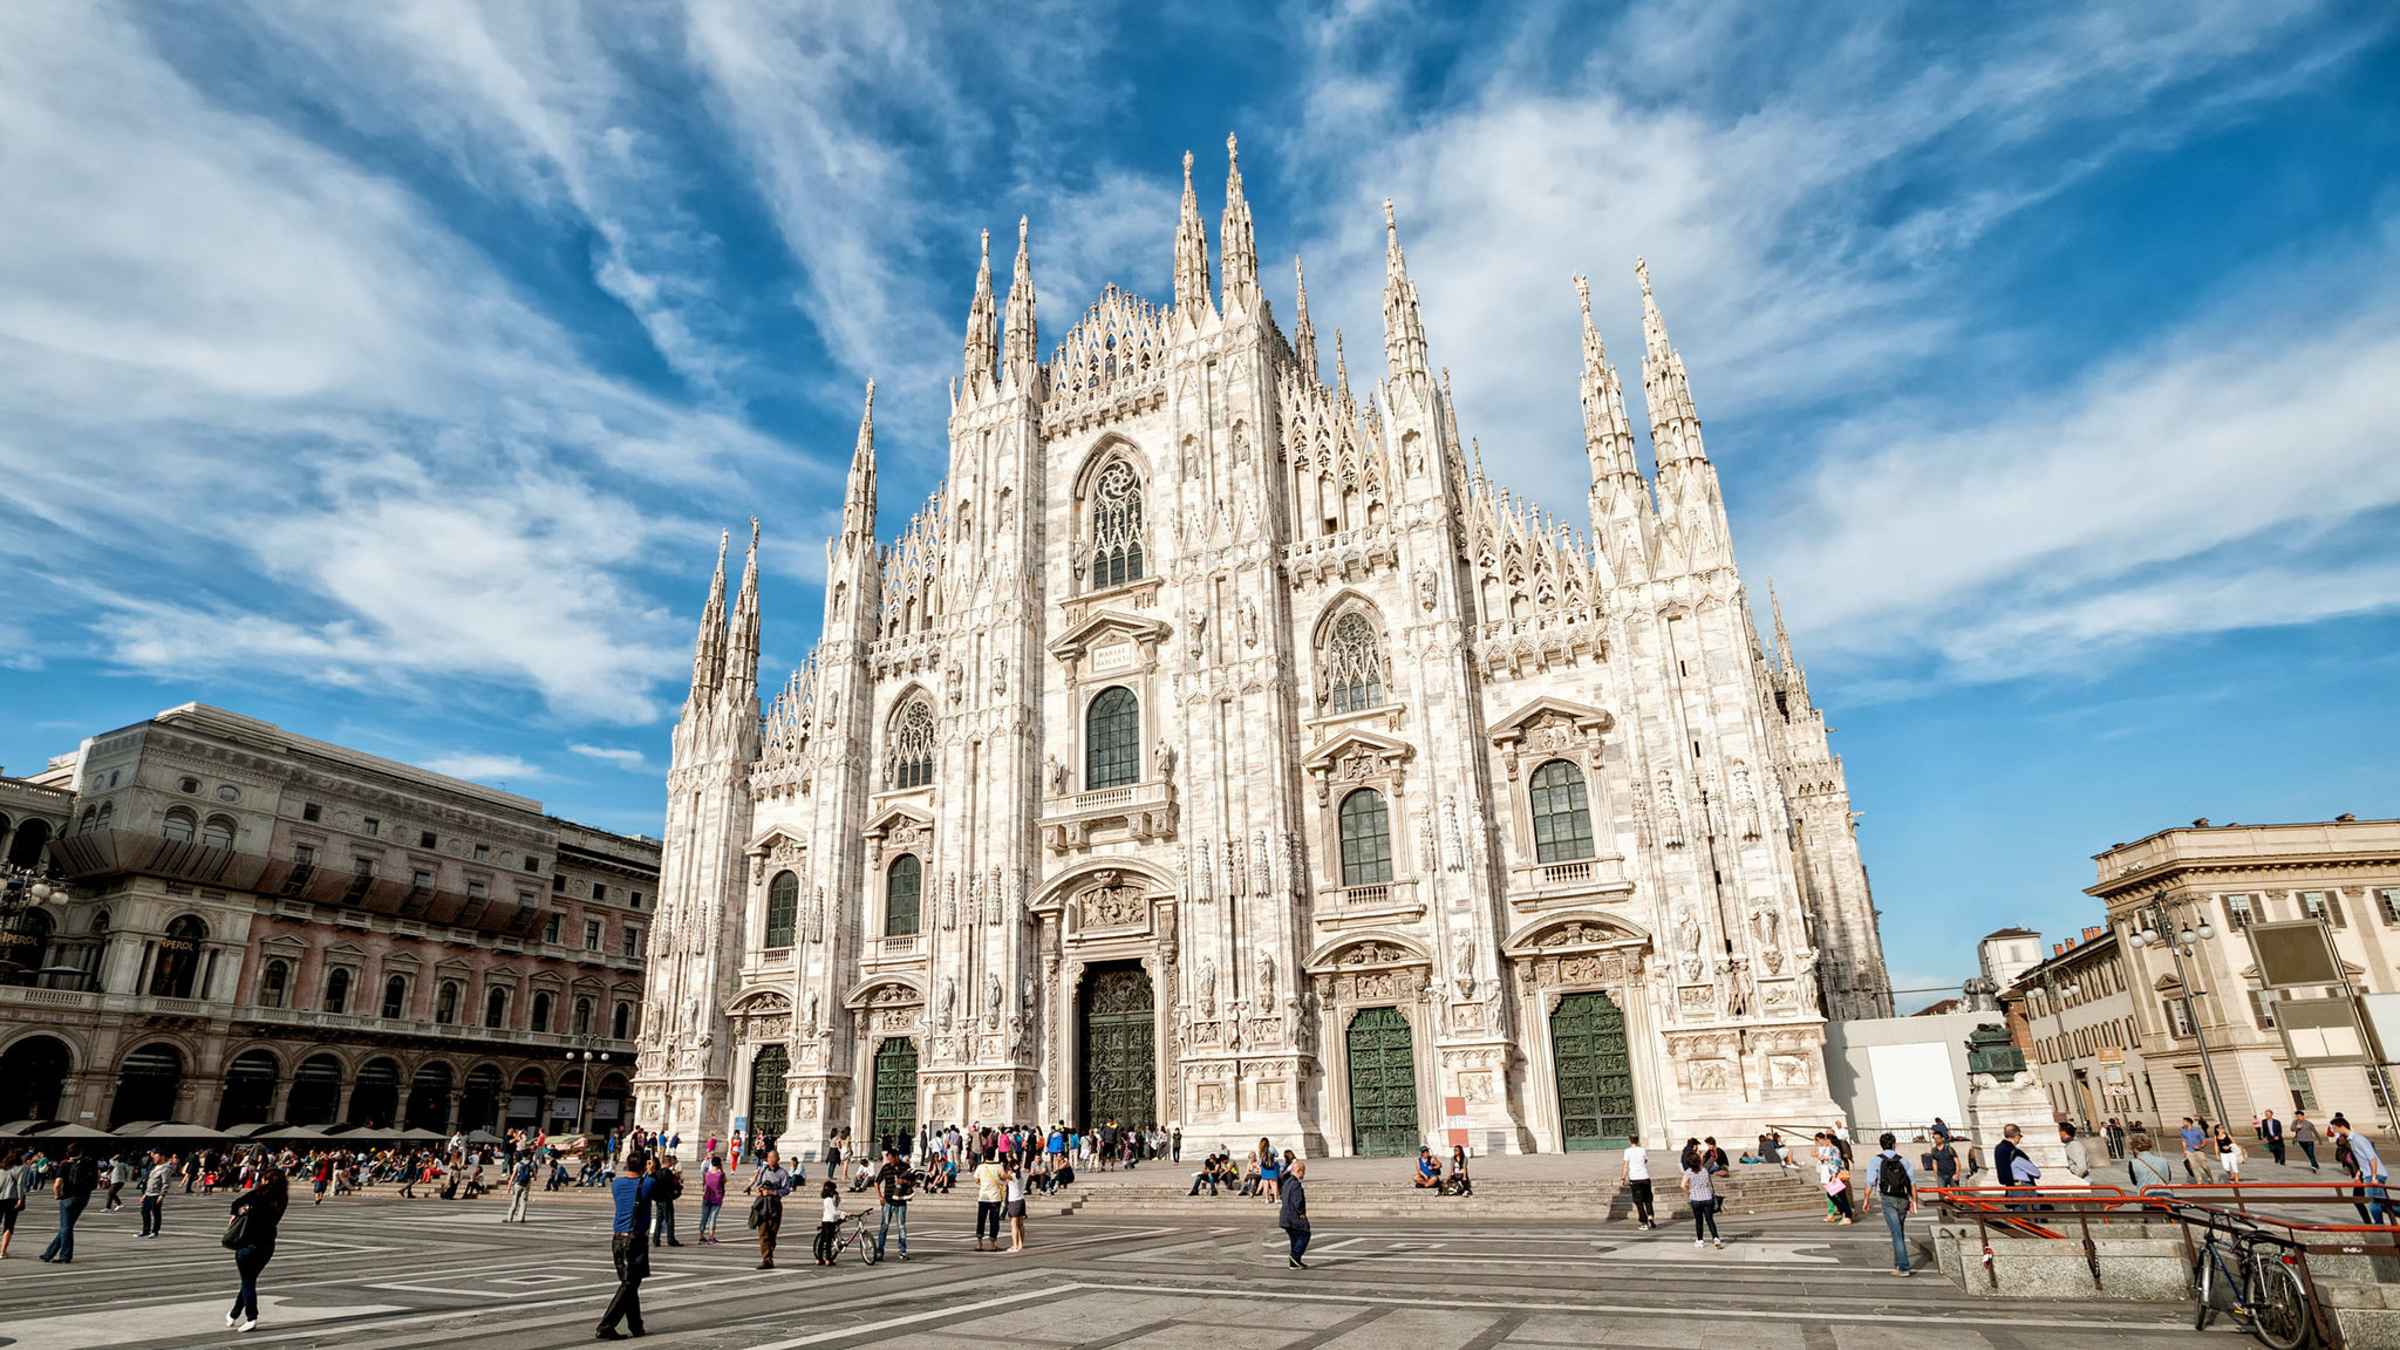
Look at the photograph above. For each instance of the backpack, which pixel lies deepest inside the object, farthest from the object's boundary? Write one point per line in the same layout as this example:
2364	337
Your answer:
1891	1180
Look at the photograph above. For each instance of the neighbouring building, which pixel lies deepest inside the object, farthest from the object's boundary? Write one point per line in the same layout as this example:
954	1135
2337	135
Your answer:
2344	872
2072	1015
1221	746
265	927
2006	953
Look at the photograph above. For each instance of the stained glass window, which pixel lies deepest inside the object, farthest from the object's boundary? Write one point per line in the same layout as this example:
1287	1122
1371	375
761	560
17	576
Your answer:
783	909
1112	748
1562	820
909	758
1356	669
1366	839
903	883
1116	526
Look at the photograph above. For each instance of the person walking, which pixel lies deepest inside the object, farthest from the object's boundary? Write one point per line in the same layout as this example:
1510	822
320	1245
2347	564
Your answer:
2304	1133
2271	1133
829	1219
1699	1187
257	1214
1292	1217
154	1192
118	1175
712	1199
1894	1183
991	1194
1014	1209
770	1183
2361	1161
520	1187
631	1193
1945	1160
1634	1171
2195	1153
833	1158
16	1184
2229	1154
893	1185
2079	1154
76	1179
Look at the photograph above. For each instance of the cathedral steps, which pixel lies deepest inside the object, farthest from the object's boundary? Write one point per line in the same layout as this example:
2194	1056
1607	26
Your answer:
1757	1194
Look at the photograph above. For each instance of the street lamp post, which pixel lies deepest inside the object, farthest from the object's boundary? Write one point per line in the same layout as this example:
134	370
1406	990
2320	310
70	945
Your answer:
2181	942
590	1062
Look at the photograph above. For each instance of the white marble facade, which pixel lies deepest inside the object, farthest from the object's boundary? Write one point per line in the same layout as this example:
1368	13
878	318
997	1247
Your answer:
1183	615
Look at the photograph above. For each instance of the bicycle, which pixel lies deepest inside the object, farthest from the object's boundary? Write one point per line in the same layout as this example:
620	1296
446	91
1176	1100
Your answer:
2261	1281
855	1234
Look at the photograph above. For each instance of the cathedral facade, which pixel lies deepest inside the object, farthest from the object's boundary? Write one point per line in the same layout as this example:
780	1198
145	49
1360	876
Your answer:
1222	749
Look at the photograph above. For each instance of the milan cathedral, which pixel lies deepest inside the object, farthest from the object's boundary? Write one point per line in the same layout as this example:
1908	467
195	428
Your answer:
1221	749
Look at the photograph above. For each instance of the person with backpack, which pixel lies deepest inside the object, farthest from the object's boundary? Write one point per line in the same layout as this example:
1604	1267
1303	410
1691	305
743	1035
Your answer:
1894	1183
78	1176
520	1187
665	1186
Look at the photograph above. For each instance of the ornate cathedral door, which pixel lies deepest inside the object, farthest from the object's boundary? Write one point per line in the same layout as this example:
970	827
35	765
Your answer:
1592	1068
768	1097
1120	1059
1383	1085
895	1089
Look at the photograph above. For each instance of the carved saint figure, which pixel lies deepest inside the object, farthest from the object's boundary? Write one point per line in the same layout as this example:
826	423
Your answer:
949	999
1162	761
993	992
1266	979
811	1026
1058	777
1249	622
1687	942
1208	987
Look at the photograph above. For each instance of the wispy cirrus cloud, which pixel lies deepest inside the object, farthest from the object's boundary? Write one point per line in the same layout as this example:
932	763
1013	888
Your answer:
622	757
484	767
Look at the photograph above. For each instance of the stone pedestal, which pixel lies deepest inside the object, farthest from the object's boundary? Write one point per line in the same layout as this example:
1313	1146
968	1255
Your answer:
1995	1101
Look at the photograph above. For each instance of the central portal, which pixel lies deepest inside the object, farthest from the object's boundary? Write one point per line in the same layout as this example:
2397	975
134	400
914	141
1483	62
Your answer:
1118	1038
895	1113
1593	1072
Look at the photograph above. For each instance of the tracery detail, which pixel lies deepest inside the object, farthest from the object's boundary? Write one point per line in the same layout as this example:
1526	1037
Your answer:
1117	536
1357	669
908	756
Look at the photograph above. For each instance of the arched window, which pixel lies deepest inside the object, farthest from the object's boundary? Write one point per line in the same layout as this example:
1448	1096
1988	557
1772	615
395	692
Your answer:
337	990
1117	532
1112	739
274	984
583	1017
218	832
108	812
1366	839
176	966
445	1003
91	819
395	997
621	1026
541	1010
1356	670
783	909
1562	821
495	1009
180	825
908	749
902	884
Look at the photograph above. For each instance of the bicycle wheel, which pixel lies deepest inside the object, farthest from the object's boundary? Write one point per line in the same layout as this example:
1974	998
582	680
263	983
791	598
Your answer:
2204	1271
2278	1305
866	1250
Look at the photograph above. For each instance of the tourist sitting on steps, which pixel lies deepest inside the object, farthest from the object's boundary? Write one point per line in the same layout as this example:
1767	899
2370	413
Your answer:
1429	1170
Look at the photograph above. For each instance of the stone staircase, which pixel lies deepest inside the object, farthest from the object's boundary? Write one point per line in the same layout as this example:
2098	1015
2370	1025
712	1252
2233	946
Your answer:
1492	1200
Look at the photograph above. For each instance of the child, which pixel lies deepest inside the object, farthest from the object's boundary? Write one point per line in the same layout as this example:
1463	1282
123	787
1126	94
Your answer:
829	1222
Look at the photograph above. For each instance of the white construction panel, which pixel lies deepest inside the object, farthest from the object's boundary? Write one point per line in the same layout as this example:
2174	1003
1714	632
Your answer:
1913	1084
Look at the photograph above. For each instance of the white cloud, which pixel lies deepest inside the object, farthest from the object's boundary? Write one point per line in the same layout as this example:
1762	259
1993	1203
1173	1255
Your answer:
479	767
622	757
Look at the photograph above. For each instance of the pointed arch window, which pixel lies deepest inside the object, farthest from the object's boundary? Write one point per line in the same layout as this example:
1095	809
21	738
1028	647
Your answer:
783	909
903	885
908	750
1562	817
1366	825
1117	529
1112	743
1357	669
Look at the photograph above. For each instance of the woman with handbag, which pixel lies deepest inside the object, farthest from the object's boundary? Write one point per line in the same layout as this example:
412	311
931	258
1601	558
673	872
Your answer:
251	1235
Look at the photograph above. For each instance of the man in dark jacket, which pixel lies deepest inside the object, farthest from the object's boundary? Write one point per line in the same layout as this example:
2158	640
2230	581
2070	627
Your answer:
78	1176
665	1187
1294	1218
631	1192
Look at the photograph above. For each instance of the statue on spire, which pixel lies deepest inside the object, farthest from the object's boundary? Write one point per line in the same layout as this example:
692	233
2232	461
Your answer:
1024	347
1403	327
1304	337
1191	251
983	321
1236	236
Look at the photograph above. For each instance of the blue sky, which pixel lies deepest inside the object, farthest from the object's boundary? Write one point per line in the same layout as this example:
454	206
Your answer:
388	371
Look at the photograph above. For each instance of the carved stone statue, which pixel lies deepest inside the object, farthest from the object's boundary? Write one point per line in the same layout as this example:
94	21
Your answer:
1208	987
810	1026
1266	979
1162	761
1687	944
1249	621
949	999
993	992
1057	777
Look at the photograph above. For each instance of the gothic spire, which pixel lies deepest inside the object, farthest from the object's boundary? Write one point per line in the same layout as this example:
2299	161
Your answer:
1674	422
1787	662
983	321
708	649
1239	275
858	495
1024	347
1304	337
1607	434
1403	328
1341	367
741	665
1191	251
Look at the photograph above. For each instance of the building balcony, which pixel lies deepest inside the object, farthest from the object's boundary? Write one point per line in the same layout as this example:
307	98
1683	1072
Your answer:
1535	886
356	1024
137	1005
1339	907
1139	811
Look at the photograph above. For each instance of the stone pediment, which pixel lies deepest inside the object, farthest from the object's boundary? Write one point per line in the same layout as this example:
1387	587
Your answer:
759	1003
900	828
1357	741
1099	629
1550	723
774	839
1373	950
885	991
1571	931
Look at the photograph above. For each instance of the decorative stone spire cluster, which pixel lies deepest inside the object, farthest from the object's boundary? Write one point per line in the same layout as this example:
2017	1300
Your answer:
1304	336
1024	347
983	322
858	494
1191	251
741	664
1237	238
1674	422
1693	534
1403	327
708	649
1607	433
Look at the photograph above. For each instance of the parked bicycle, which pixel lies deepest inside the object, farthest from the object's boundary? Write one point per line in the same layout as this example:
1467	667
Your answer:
2252	1274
